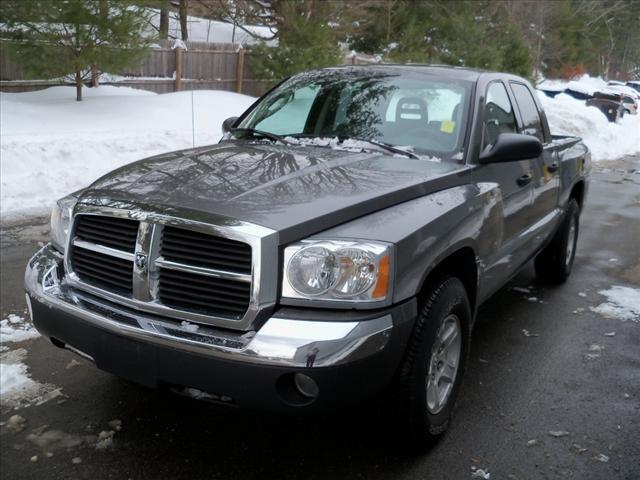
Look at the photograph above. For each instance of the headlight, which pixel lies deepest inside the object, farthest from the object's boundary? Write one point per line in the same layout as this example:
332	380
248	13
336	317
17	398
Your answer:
61	220
337	270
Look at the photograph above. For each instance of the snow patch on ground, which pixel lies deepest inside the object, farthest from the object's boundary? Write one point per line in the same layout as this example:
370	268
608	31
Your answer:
17	388
606	140
623	303
52	145
15	329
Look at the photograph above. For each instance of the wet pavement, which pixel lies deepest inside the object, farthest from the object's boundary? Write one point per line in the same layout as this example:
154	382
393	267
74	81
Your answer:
546	395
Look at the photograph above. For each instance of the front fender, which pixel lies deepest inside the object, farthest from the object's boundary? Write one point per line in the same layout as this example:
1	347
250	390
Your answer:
429	229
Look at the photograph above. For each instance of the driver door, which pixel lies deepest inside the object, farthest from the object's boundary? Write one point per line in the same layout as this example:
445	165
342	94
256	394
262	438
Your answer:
515	180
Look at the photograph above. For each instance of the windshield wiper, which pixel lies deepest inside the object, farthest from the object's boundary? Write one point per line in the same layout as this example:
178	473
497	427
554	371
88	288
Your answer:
383	145
342	138
259	133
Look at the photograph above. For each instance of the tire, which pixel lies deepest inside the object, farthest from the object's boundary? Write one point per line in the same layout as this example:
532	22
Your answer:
555	262
442	305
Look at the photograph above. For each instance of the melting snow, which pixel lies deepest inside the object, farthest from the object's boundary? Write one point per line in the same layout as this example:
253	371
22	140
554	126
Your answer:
17	388
480	473
190	327
623	303
15	329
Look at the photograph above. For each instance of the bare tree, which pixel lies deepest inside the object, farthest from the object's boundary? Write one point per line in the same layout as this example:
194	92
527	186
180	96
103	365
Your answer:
164	20
182	14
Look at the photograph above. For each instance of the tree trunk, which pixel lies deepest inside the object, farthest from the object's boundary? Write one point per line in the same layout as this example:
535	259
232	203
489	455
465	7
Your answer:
95	76
164	21
78	86
182	12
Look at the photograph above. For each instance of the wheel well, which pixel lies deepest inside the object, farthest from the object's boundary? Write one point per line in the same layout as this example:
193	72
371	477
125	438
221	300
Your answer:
577	193
460	264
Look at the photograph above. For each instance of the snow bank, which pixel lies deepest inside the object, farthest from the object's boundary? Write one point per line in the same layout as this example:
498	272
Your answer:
606	140
51	145
584	84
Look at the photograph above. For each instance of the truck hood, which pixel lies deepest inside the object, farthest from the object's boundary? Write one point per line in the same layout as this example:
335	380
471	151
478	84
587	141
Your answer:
295	190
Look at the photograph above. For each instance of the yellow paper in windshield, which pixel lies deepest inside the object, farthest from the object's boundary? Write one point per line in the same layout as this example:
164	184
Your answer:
447	126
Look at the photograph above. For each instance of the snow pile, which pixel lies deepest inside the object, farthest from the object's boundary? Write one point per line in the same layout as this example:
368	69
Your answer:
15	329
606	140
51	145
623	303
585	84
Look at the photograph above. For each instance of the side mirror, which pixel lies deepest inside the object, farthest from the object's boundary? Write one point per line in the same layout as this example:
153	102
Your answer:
510	147
228	124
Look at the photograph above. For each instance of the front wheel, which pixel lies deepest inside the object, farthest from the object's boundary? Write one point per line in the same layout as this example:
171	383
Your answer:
555	262
435	361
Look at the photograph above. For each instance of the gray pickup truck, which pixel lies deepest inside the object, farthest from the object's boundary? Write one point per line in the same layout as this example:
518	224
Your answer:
334	246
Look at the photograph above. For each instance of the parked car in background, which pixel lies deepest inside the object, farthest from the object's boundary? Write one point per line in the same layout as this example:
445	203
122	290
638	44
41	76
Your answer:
635	84
609	103
630	98
335	245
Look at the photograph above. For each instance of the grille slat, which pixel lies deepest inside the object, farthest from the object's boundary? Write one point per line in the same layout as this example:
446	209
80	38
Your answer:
114	232
173	276
212	254
202	297
104	271
178	287
202	294
204	260
104	263
204	306
202	250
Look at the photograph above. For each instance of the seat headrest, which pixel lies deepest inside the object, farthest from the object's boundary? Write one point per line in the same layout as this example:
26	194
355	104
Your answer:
412	109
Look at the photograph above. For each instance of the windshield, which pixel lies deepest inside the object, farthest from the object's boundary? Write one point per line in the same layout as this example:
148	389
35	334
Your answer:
403	109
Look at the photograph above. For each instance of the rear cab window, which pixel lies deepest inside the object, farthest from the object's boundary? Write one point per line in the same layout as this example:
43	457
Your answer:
531	121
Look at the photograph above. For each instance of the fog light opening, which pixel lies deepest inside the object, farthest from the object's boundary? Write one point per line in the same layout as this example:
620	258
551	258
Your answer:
306	386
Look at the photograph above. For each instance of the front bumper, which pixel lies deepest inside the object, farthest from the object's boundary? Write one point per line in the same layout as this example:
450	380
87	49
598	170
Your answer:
350	356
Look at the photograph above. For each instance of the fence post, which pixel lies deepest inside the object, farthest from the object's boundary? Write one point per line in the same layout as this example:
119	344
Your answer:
240	69
178	80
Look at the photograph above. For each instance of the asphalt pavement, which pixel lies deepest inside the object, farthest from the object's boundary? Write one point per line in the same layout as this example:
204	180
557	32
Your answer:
546	395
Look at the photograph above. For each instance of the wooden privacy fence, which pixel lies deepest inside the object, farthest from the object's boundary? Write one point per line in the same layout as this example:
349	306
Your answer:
199	66
166	69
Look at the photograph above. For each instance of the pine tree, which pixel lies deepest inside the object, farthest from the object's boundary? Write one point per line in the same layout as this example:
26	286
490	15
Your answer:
305	41
54	38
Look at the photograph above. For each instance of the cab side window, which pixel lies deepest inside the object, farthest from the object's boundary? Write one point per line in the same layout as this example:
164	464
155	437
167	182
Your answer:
528	110
498	114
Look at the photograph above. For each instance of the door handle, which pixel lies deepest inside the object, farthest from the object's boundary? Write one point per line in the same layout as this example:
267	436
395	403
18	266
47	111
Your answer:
525	179
553	167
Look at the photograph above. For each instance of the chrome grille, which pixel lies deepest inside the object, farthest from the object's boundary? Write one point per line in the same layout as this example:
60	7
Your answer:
197	267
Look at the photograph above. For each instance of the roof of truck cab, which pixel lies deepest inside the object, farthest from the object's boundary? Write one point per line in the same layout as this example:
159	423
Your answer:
445	71
462	73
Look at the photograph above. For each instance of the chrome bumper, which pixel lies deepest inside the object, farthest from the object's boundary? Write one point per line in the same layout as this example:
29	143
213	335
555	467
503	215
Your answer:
280	341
